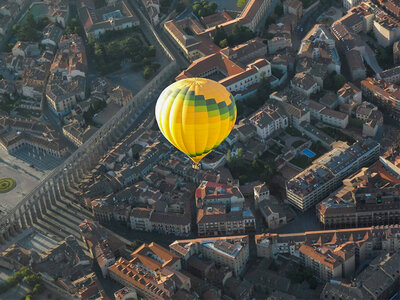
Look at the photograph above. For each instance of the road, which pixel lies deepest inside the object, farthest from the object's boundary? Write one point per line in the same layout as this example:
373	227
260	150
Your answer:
147	30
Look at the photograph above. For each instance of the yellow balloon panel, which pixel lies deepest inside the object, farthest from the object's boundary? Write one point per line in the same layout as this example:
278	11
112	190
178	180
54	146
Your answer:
196	115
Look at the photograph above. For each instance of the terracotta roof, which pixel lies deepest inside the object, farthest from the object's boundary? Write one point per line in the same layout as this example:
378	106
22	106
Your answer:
205	64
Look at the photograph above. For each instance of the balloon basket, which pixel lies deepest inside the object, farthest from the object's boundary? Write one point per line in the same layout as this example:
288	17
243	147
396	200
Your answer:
195	166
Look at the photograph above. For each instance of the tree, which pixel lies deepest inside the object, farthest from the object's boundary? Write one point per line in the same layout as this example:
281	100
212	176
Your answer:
135	244
30	20
151	51
42	23
223	43
203	8
180	7
73	27
33	279
241	34
220	35
148	72
270	20
38	289
264	89
338	80
279	10
241	3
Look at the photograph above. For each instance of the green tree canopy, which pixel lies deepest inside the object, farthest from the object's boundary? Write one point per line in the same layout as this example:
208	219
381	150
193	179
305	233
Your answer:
241	3
204	8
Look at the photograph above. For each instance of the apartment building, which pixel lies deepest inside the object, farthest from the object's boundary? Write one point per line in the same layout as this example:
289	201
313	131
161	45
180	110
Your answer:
62	93
244	84
369	197
356	65
334	118
220	220
390	75
349	93
347	4
269	119
77	134
293	7
70	58
140	218
231	251
326	173
210	193
380	280
247	52
305	84
331	254
385	95
386	29
152	271
170	223
292	103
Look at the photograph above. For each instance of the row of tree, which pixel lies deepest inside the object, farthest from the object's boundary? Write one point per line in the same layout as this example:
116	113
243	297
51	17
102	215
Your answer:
240	34
109	55
30	30
33	280
204	8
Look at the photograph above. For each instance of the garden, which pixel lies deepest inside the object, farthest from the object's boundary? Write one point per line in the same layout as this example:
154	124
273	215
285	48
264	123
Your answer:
113	48
301	274
204	8
29	30
259	169
303	161
6	185
7	104
240	34
337	134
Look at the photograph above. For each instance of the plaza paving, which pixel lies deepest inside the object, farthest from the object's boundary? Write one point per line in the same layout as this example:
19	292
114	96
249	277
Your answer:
19	168
39	159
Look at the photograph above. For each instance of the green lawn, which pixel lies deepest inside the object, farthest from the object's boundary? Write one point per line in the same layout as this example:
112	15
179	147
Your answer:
338	134
302	161
293	131
38	10
297	143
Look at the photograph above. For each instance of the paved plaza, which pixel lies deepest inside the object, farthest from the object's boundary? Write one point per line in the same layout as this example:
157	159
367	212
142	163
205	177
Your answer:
39	159
27	168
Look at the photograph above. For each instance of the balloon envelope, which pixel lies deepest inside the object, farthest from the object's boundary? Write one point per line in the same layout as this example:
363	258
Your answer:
196	115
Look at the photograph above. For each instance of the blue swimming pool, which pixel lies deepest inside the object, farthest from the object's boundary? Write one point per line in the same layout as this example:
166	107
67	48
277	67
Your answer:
308	153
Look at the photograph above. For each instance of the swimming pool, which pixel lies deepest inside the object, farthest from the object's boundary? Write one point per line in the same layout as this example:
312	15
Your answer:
308	153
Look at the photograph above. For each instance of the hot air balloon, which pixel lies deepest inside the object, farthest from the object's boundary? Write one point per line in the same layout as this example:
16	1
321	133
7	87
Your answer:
196	115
